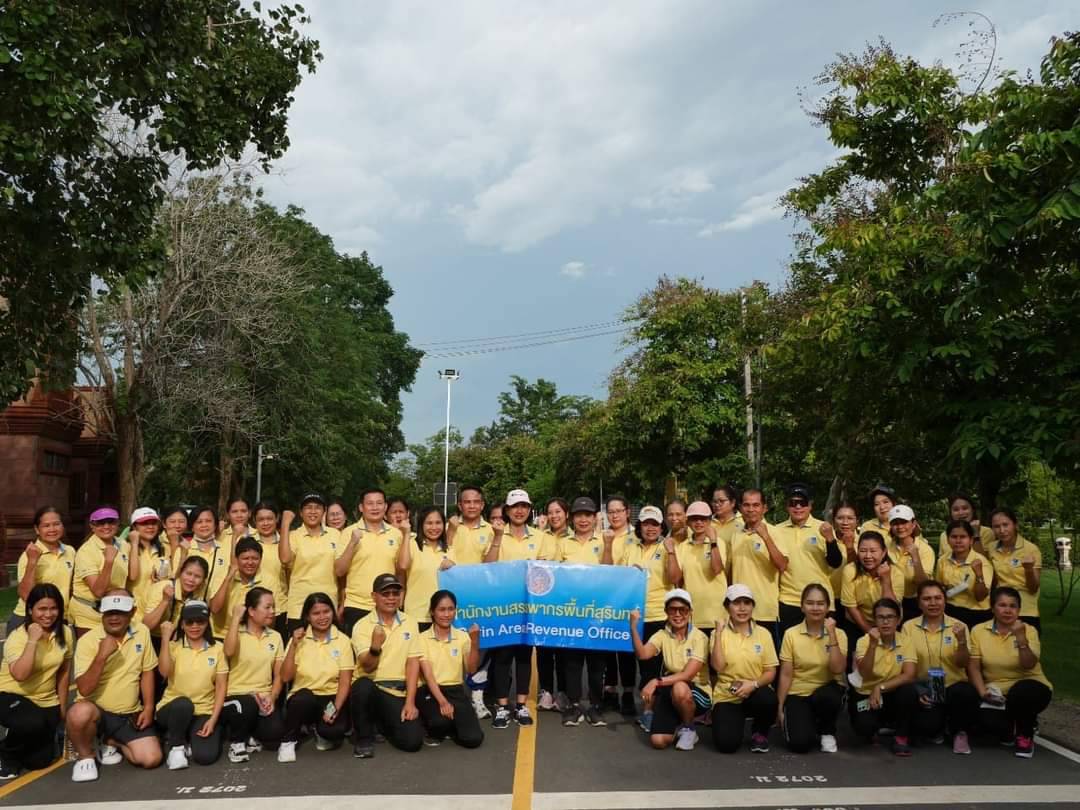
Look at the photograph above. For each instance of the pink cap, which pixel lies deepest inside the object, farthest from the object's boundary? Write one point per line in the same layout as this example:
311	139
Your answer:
104	513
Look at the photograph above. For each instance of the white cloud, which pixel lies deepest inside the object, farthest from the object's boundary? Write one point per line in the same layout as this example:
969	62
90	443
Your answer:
679	222
753	211
573	269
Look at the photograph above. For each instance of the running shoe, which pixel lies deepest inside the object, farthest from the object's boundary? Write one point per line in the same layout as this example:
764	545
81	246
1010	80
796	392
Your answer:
253	746
546	701
85	770
363	750
177	760
901	747
573	715
323	744
685	738
481	709
286	752
501	718
594	717
8	770
828	744
645	721
432	742
1025	747
238	752
759	743
109	755
522	716
960	744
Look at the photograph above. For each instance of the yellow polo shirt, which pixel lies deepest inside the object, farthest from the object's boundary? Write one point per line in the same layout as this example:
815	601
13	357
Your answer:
251	670
149	561
571	550
549	546
935	649
888	660
376	554
653	561
725	530
903	561
402	643
312	567
89	560
471	543
951	573
156	595
53	567
752	566
863	590
194	674
217	563
238	591
808	655
706	588
526	547
423	579
272	573
874	525
746	657
1009	570
1000	659
447	658
986	537
319	664
227	537
40	687
676	653
805	549
118	689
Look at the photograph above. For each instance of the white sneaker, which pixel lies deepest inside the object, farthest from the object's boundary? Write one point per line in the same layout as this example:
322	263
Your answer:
545	702
238	752
685	739
286	752
109	755
177	760
253	746
828	744
85	770
482	711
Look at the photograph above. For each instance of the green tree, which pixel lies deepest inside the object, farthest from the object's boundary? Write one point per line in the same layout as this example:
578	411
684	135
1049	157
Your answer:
529	409
99	103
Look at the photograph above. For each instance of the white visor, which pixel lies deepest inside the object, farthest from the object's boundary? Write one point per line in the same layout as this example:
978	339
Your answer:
122	604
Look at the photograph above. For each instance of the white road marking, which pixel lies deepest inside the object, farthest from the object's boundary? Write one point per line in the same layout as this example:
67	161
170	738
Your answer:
1058	749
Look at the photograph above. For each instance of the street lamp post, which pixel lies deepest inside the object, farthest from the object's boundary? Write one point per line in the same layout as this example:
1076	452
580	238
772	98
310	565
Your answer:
261	457
448	374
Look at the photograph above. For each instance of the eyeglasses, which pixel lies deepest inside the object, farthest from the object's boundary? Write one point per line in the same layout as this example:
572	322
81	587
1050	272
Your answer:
676	610
797	502
721	500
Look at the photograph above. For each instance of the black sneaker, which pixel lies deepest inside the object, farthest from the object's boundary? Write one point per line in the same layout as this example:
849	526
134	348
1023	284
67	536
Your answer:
627	707
522	716
610	701
593	717
573	715
8	770
363	750
501	718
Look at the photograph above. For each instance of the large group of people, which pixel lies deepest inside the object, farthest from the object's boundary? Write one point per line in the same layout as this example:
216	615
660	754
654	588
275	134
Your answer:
183	636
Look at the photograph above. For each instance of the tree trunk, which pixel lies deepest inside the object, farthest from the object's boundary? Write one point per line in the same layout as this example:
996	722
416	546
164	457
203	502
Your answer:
227	458
836	493
130	461
991	477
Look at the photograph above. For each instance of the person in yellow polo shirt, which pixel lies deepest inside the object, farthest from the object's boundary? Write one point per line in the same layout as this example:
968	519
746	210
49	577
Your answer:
114	679
271	572
388	652
681	692
34	674
941	647
419	562
962	507
726	519
371	549
1017	563
167	597
964	573
204	543
46	560
703	562
550	666
154	557
245	573
911	554
308	554
319	662
255	651
813	656
744	658
1005	670
467	532
871	577
883	680
622	666
102	562
238	514
812	551
197	671
882	500
758	559
845	523
448	655
675	513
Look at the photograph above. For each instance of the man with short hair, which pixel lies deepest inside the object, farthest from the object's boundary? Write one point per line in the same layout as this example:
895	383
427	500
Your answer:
758	560
467	532
372	549
114	676
812	551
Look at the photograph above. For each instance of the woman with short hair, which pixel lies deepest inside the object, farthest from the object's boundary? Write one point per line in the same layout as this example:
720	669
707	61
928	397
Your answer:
47	559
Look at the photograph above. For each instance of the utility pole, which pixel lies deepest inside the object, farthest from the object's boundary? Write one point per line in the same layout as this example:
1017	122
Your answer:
261	457
448	374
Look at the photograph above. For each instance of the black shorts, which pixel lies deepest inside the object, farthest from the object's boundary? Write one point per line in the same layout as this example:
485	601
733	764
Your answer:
121	728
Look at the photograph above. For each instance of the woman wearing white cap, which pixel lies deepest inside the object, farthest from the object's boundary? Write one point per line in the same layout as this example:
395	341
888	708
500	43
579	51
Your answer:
102	562
744	658
197	671
145	539
703	560
681	692
912	553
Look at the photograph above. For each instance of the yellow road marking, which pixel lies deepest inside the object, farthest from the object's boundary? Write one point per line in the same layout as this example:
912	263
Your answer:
32	776
525	759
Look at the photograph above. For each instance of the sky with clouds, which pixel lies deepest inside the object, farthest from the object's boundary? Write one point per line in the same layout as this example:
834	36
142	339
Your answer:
531	167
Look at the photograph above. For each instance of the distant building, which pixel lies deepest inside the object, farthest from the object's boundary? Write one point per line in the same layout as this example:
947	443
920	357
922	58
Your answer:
50	454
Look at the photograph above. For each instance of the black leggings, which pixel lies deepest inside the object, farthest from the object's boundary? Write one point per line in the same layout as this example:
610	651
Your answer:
808	716
551	668
178	720
897	710
576	661
305	707
504	659
31	737
1023	704
968	616
958	713
464	727
372	707
242	717
729	719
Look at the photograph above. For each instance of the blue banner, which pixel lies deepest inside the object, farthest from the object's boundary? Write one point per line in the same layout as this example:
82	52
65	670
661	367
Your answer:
547	604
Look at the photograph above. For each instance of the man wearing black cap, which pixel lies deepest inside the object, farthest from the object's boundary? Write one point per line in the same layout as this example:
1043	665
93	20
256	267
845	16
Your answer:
309	553
812	551
388	652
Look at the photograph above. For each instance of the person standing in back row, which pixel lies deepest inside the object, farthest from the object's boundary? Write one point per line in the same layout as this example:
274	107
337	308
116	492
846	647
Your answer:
620	666
371	549
812	551
467	532
308	555
758	560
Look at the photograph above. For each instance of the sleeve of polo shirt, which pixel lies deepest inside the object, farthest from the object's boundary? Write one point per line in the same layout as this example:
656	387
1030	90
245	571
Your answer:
87	563
906	649
1036	552
699	651
768	652
415	648
361	637
279	653
861	646
339	543
787	646
466	648
1033	640
842	638
84	654
928	557
657	640
222	661
14	647
348	660
20	568
149	657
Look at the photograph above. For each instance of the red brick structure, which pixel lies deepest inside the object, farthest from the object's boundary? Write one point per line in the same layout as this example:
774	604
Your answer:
49	454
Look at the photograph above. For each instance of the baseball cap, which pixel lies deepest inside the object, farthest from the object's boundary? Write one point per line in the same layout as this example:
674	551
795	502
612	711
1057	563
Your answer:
384	582
116	603
882	489
650	513
516	496
901	512
195	610
738	591
144	514
583	504
798	490
678	593
698	509
313	497
104	513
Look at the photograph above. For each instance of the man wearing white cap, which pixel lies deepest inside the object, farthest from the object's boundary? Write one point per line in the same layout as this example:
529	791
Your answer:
114	675
912	554
517	542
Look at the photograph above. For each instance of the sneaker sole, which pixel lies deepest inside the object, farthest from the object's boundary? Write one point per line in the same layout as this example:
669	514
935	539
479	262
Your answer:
1024	754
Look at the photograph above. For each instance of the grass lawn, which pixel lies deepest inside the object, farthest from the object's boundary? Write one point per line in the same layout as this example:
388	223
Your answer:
8	598
1060	637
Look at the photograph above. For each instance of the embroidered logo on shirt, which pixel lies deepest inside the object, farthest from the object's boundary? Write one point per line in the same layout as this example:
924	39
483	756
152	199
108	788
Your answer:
813	541
1014	562
948	639
138	648
407	635
481	539
211	661
899	658
67	563
757	648
270	646
757	546
454	652
335	653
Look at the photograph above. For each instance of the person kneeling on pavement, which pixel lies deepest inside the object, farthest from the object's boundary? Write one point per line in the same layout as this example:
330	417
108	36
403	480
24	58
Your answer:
682	690
114	676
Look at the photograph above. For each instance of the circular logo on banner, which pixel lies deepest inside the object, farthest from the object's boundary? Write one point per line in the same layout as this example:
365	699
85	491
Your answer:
541	580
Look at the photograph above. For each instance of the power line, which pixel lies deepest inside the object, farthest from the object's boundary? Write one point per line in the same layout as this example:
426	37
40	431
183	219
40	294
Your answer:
446	345
513	347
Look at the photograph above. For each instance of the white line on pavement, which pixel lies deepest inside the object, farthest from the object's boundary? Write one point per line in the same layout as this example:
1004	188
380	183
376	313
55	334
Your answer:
1058	749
